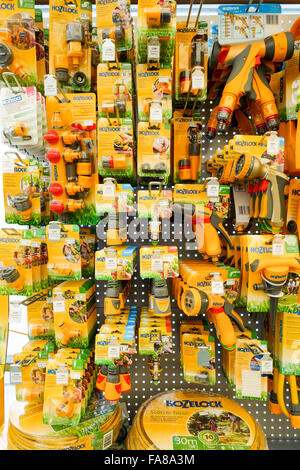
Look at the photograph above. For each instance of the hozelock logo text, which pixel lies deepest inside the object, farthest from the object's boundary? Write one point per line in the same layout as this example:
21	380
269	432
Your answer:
261	249
108	74
243	143
148	74
186	30
194	404
187	191
19	169
149	133
106	2
82	98
64	9
13	99
203	284
7	6
296	192
109	129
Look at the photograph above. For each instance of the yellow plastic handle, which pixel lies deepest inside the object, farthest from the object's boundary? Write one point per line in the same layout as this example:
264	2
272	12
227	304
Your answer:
224	329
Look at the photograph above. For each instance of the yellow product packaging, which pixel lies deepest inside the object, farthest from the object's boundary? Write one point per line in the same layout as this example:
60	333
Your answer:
113	197
75	314
18	41
154	94
114	90
87	237
40	315
191	55
250	380
72	152
183	193
32	370
21	193
64	258
152	339
156	21
289	343
258	147
62	399
114	342
3	349
243	261
114	26
116	149
69	47
154	152
40	47
293	205
187	143
44	259
154	204
115	263
228	356
291	86
159	262
16	276
34	346
198	358
273	258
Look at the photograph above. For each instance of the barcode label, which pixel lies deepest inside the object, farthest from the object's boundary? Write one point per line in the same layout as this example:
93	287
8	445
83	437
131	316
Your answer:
108	439
272	19
244	210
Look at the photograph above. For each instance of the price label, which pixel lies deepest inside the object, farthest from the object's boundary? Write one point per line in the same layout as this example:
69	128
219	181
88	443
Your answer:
111	264
157	264
62	377
113	351
156	113
109	191
212	189
59	306
278	249
198	81
266	365
217	287
15	313
54	234
108	51
50	85
154	52
273	144
15	376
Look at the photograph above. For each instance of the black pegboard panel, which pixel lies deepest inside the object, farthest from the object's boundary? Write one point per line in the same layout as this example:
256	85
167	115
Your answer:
276	428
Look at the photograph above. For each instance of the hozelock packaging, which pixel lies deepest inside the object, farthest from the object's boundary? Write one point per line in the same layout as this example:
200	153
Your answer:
87	237
74	313
187	149
114	26
21	191
115	263
160	262
116	149
64	258
198	358
156	20
288	344
154	87
69	48
190	61
18	41
40	315
112	197
154	152
114	91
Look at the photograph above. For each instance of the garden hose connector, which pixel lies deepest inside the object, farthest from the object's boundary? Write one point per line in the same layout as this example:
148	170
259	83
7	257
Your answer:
124	378
117	162
113	385
157	16
161	298
61	65
112	299
67	334
7	59
13	277
101	379
117	33
30	395
22	204
154	368
75	37
65	409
